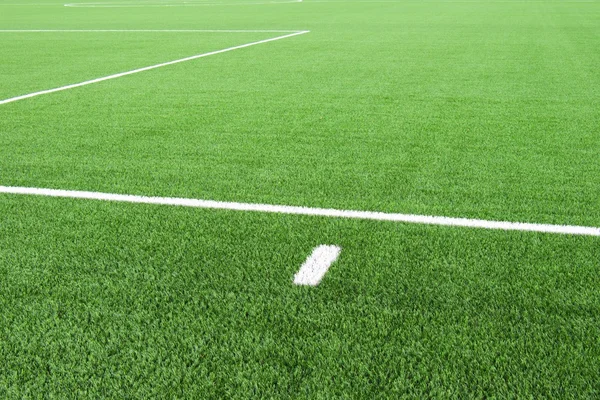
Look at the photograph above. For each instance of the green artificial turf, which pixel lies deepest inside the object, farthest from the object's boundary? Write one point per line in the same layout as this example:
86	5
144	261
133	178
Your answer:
475	109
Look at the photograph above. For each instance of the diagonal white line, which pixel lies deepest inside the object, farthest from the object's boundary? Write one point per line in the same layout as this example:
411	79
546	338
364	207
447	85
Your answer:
322	212
316	265
135	71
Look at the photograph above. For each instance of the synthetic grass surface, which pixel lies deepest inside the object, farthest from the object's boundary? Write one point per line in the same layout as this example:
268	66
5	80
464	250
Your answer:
35	61
117	301
477	109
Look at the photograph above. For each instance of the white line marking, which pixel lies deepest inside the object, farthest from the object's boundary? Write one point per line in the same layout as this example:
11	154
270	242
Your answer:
189	3
316	265
135	71
322	212
184	3
147	30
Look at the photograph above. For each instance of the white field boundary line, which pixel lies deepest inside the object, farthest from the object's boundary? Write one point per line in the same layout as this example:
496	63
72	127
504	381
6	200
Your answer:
321	212
183	3
188	3
148	31
144	69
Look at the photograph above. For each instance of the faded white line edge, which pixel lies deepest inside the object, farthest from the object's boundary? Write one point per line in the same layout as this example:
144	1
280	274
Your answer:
135	71
316	265
321	212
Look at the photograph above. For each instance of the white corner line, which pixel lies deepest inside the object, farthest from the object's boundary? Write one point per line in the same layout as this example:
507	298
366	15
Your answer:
321	212
316	265
135	71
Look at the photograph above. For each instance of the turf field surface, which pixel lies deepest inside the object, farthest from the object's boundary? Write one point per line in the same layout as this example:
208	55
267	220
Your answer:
484	110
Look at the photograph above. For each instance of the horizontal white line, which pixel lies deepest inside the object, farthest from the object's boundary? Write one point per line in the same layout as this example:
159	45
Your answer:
322	212
147	31
184	3
135	71
316	265
297	1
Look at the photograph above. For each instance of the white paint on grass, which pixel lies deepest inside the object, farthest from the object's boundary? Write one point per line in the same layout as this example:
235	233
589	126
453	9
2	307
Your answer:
321	212
147	31
176	3
316	265
135	71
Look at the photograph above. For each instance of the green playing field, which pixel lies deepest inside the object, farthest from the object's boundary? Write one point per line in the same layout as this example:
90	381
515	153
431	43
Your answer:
484	111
